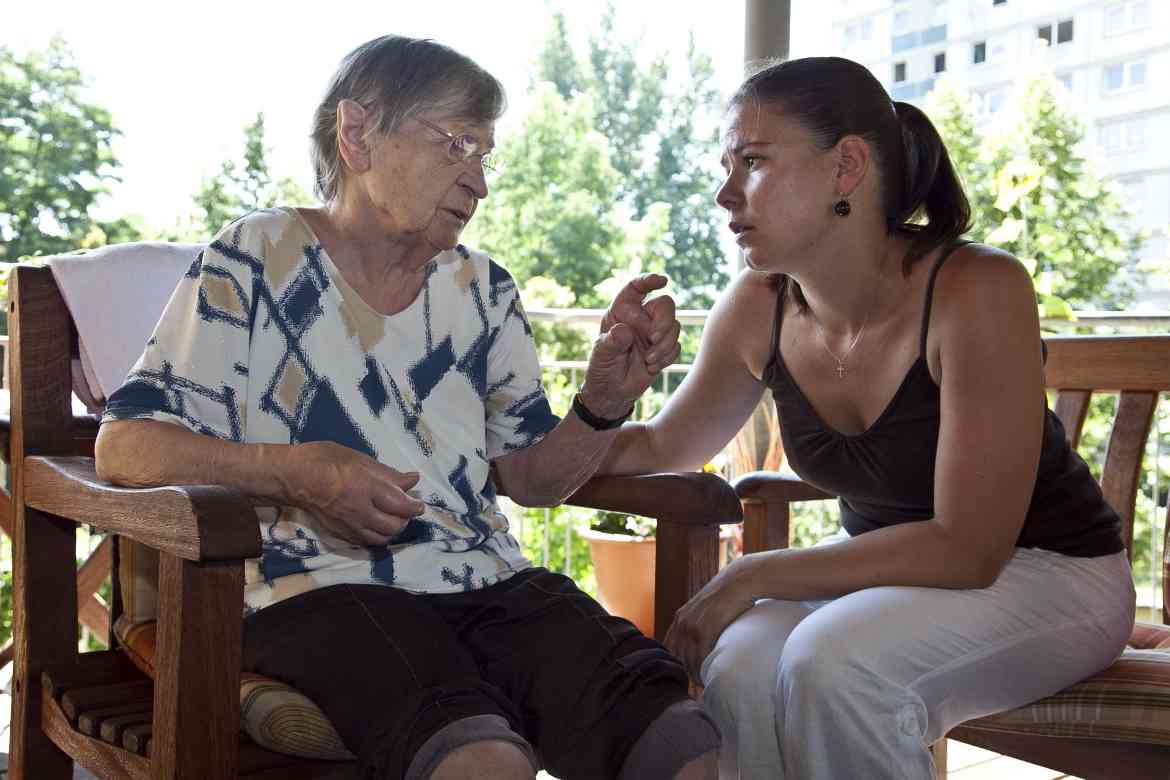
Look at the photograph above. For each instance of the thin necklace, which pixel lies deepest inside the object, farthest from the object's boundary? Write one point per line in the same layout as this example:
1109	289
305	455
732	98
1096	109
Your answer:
840	361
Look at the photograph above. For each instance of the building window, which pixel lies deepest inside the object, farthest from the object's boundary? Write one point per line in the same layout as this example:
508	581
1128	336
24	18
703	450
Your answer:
901	21
899	72
979	52
1126	17
999	2
1135	134
1137	74
856	32
1113	78
990	103
1125	135
1066	80
1064	32
940	62
1119	76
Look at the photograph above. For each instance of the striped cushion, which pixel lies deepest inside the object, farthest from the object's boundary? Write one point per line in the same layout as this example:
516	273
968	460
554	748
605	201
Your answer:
1129	701
275	715
278	717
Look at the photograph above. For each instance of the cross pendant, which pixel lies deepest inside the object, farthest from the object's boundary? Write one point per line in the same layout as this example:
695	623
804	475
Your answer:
840	370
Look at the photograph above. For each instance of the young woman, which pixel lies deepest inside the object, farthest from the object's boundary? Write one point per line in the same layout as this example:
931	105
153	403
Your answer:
979	567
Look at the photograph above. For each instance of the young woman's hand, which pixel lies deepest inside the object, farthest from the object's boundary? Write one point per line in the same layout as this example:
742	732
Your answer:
699	623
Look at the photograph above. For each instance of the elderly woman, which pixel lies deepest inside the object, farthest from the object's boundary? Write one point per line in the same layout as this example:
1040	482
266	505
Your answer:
357	367
979	567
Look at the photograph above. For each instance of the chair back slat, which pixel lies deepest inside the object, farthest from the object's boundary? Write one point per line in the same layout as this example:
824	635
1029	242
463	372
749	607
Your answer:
1071	407
1108	363
1123	458
41	337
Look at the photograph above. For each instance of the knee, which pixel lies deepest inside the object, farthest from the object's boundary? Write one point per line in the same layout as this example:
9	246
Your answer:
818	663
735	677
681	743
489	759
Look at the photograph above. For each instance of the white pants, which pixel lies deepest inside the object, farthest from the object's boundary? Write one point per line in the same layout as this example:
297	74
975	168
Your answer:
860	686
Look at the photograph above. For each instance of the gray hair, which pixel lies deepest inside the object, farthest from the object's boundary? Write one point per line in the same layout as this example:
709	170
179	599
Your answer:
394	78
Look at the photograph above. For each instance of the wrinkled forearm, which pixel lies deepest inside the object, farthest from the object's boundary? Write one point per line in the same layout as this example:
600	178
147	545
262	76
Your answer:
149	453
549	471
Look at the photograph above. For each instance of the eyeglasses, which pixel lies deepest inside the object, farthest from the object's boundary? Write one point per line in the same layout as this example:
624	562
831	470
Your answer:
465	147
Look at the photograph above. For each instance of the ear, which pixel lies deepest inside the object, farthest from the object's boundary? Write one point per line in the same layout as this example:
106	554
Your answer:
352	138
853	160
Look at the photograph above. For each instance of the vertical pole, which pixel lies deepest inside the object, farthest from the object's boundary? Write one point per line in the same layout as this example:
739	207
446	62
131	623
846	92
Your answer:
547	533
767	28
1155	569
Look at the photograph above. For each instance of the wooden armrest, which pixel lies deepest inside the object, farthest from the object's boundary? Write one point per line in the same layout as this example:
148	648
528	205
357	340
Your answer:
195	522
771	487
693	498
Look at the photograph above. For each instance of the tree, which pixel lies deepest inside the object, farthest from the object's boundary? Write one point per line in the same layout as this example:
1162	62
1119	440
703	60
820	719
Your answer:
239	187
657	132
1034	194
56	157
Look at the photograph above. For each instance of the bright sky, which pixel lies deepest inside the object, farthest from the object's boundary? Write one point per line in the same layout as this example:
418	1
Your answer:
183	79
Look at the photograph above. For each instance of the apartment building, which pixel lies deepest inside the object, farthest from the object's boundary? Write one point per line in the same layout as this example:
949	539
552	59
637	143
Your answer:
1112	56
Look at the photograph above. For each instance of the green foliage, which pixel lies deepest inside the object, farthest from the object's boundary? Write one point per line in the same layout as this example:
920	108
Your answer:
552	214
238	187
56	157
661	132
604	179
626	525
1035	195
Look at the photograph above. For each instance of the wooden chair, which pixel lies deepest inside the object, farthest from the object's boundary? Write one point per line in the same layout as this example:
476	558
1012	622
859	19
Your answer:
1137	367
73	707
91	612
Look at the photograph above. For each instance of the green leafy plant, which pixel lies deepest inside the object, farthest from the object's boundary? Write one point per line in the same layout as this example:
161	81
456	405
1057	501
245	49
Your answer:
623	524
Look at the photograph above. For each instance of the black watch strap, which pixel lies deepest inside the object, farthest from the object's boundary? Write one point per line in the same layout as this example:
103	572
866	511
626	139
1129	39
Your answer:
595	422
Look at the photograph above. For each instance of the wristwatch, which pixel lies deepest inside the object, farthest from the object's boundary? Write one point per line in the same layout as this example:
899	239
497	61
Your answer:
595	422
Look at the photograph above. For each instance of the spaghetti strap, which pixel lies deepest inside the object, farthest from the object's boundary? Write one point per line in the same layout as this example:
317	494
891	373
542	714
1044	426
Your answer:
930	291
781	291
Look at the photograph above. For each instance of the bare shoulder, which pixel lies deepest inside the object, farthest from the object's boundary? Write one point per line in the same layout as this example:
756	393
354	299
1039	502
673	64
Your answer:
741	320
979	280
980	266
982	294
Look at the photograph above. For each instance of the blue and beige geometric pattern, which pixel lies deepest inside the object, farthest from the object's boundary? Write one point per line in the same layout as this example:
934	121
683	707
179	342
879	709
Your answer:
266	342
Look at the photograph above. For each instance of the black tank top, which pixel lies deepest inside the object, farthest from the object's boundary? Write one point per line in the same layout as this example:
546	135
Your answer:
885	475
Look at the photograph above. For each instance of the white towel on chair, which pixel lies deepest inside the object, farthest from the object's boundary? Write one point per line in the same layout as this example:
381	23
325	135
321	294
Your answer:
116	294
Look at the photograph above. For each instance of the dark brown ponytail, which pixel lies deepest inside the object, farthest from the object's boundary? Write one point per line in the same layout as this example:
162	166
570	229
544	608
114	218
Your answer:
932	203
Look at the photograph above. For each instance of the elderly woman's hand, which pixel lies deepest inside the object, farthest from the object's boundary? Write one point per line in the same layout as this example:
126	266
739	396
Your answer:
656	329
354	496
637	341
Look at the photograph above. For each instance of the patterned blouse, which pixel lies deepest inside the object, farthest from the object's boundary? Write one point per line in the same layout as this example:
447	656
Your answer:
264	342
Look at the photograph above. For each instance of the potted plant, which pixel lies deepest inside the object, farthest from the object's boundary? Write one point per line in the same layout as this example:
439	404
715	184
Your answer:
622	547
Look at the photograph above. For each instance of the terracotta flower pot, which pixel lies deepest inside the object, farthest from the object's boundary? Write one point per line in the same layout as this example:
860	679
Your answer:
624	566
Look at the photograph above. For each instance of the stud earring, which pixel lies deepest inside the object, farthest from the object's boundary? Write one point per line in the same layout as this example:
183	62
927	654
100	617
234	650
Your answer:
842	208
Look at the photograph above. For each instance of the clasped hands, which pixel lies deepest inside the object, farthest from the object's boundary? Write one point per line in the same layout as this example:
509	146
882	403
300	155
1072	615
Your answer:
638	339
